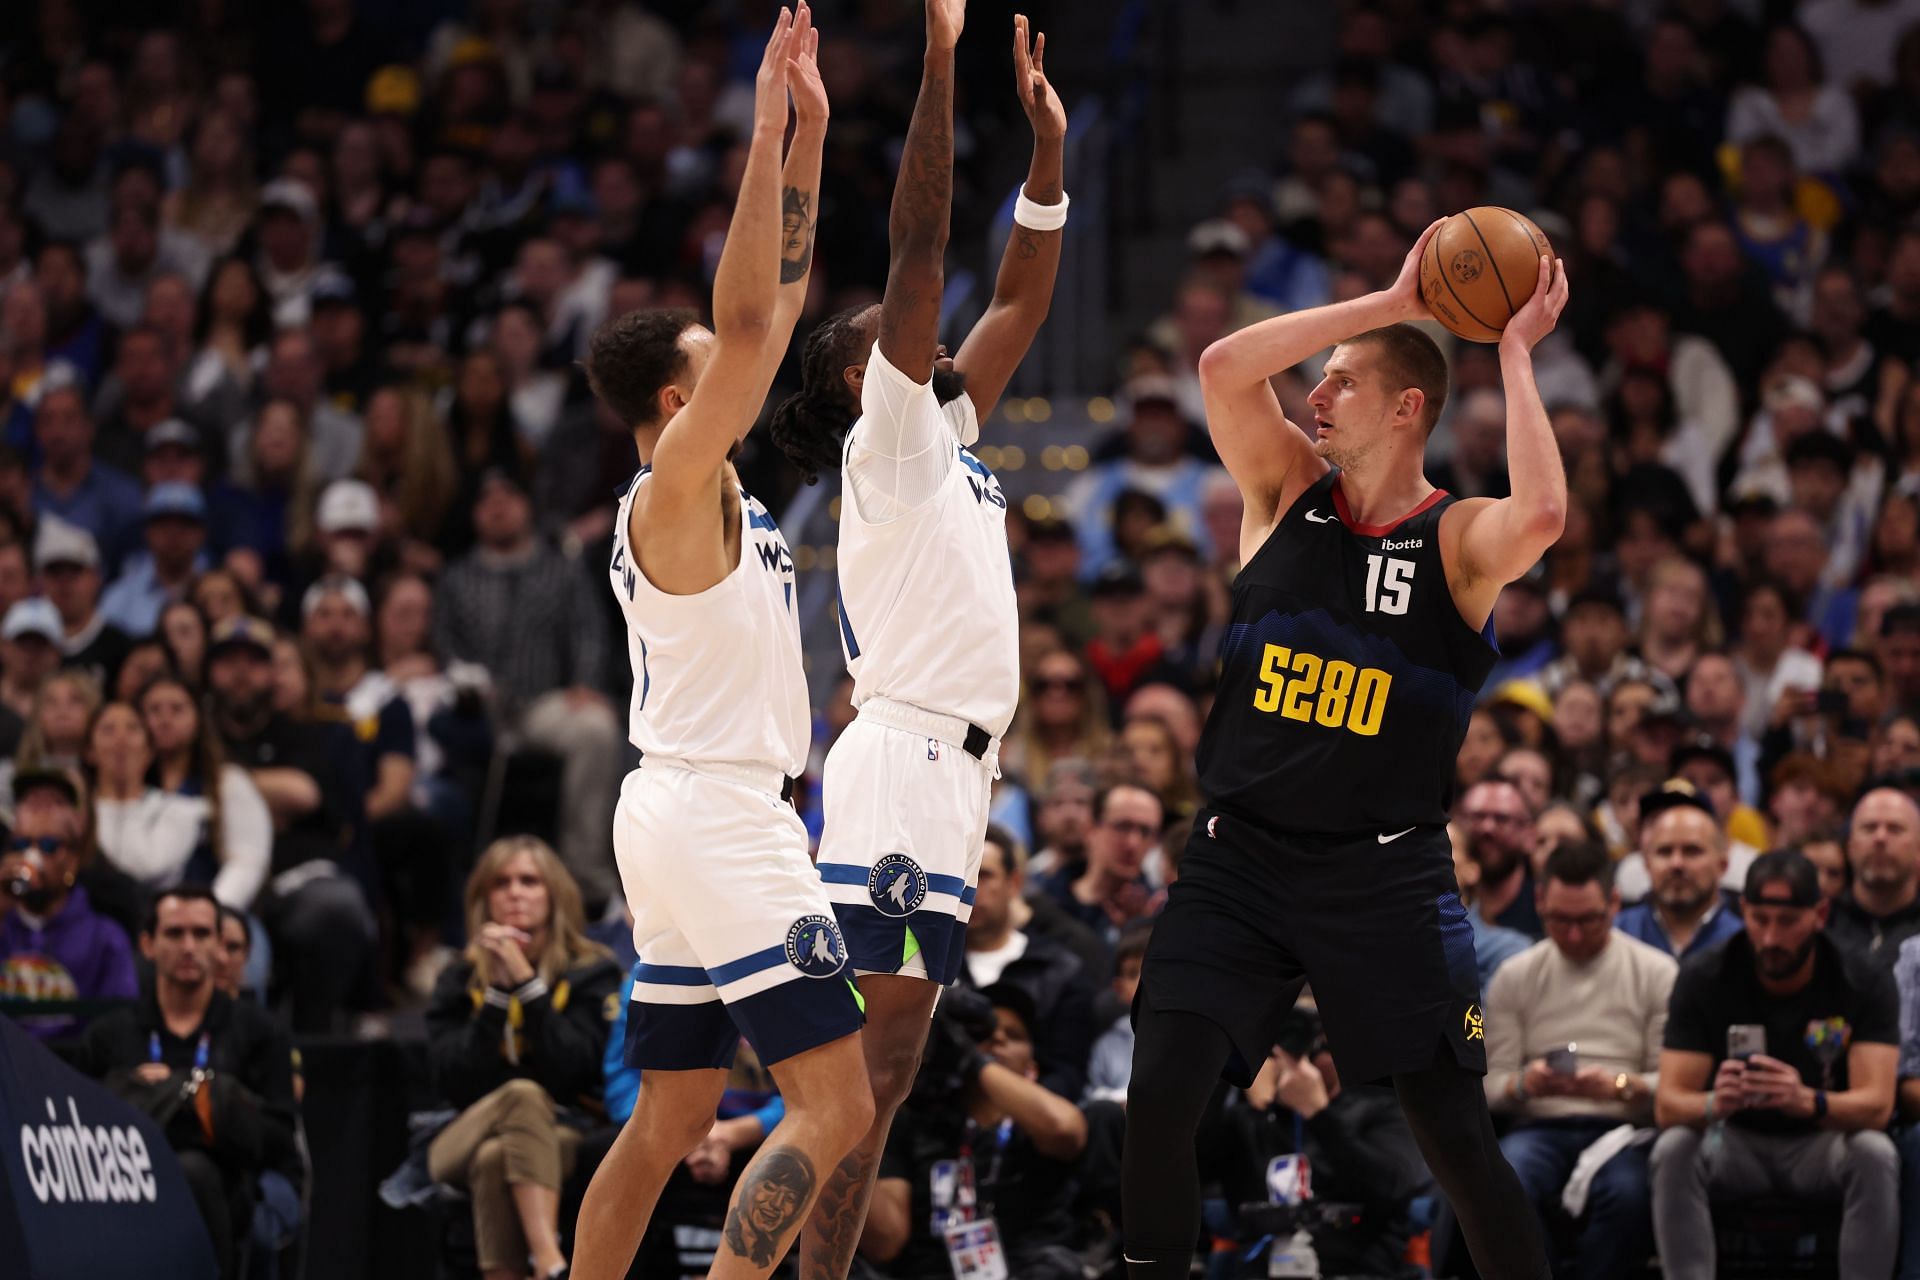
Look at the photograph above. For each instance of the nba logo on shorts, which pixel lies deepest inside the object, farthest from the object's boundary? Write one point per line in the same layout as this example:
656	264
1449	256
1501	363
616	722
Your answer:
814	947
897	886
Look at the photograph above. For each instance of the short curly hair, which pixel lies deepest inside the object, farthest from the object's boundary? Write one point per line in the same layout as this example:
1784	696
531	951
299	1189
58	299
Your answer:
633	356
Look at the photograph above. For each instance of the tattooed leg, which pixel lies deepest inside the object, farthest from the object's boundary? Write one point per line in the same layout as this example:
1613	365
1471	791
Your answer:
899	1013
773	1193
828	1111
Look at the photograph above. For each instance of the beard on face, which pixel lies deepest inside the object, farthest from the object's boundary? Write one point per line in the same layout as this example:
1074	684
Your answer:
1680	896
1496	858
948	385
1779	962
1882	871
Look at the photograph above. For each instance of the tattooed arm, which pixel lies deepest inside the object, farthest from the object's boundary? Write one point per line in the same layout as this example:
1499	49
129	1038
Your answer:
1024	289
922	206
800	182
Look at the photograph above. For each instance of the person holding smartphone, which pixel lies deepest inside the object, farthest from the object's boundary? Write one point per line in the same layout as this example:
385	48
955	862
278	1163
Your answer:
1783	1047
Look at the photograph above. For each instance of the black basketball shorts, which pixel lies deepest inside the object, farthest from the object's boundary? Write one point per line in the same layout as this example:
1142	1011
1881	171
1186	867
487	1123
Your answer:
1372	923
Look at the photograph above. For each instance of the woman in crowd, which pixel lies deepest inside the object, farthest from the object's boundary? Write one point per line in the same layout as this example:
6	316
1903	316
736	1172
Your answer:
455	739
1486	740
1063	713
269	505
235	832
1817	121
1679	621
183	632
518	1029
1159	765
217	204
480	424
145	662
161	838
219	594
230	335
407	460
1770	665
56	732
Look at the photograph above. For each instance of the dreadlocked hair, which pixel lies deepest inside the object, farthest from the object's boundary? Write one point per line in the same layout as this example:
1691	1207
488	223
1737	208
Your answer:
809	425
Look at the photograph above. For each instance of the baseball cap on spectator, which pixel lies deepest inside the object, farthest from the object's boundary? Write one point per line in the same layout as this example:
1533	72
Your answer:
1676	793
62	543
172	432
1703	747
1218	236
291	195
393	91
1525	694
1782	878
1151	388
334	288
347	506
1665	707
1793	391
241	632
1117	580
181	501
1899	619
1164	539
1251	187
67	782
1049	529
1595	598
1011	997
1816	447
337	584
1752	504
34	616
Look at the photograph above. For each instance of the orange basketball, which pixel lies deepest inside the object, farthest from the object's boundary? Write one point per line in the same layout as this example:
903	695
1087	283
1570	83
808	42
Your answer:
1480	267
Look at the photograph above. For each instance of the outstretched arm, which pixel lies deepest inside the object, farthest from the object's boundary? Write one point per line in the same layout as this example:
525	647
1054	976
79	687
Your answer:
1269	458
1499	540
922	204
800	181
1024	289
695	443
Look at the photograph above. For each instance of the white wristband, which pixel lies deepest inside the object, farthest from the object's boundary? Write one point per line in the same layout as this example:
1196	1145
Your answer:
1040	217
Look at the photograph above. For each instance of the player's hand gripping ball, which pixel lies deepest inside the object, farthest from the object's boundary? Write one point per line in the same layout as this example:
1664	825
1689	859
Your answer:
1480	268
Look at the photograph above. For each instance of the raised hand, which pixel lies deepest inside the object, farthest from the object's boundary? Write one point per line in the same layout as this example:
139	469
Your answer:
1405	290
945	18
1037	98
803	71
770	82
1536	319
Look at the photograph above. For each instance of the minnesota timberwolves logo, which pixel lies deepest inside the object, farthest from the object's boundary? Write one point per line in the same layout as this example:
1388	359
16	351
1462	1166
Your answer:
814	947
897	886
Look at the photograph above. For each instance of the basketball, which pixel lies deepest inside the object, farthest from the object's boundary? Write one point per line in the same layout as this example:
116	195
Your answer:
1480	267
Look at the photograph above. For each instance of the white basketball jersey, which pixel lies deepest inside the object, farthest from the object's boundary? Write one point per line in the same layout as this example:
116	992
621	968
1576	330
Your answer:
927	611
717	676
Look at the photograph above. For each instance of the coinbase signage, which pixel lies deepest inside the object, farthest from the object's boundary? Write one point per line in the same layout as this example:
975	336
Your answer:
88	1185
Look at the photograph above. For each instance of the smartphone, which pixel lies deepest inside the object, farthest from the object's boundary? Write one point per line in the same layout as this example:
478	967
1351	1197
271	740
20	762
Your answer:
1744	1040
1564	1062
1830	702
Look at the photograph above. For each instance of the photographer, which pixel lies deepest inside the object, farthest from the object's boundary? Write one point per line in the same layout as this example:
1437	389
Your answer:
980	1149
215	1073
1357	1146
53	944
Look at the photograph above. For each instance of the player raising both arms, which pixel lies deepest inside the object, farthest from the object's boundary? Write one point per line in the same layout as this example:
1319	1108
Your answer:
731	923
928	617
1359	639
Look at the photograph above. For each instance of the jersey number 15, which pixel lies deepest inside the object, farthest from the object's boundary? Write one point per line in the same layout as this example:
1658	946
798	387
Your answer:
1389	584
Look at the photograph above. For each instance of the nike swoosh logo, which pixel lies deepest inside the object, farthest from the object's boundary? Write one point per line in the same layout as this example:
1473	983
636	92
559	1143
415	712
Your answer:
1395	836
1315	517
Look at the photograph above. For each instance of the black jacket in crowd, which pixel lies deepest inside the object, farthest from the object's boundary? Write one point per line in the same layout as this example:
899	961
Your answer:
250	1054
555	1037
1057	982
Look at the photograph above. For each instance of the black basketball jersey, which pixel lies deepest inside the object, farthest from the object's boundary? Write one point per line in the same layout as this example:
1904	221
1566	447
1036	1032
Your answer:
1346	675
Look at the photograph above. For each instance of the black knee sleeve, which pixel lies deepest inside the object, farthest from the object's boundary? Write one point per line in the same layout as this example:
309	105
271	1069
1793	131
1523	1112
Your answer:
1177	1059
1446	1107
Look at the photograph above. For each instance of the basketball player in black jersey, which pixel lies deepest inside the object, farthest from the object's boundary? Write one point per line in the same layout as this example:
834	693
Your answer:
1360	637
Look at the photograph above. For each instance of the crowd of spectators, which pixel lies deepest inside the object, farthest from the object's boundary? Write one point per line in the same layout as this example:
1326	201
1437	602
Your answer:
304	506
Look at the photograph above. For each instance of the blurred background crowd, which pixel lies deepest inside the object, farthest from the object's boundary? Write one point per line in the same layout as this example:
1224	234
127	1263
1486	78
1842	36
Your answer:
309	671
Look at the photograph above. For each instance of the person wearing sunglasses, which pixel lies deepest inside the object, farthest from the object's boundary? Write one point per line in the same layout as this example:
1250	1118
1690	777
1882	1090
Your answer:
53	944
